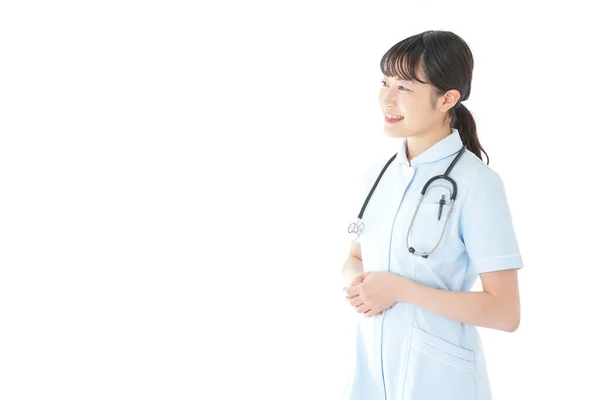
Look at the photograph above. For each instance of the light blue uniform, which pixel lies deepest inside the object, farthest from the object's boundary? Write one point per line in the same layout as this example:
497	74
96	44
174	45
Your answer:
410	353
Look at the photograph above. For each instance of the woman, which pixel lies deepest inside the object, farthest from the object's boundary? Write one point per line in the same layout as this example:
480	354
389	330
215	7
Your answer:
418	338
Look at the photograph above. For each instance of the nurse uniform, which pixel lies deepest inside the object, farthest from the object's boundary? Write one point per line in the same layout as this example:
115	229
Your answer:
410	353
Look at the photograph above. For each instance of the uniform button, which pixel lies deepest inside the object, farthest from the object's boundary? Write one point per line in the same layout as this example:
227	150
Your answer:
408	172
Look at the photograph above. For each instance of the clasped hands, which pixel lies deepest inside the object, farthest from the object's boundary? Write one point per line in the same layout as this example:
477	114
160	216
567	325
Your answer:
372	292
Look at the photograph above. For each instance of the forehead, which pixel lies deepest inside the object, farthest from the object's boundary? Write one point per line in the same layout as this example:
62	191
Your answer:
404	74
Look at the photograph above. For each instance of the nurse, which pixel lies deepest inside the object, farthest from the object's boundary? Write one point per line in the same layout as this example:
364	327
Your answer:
416	335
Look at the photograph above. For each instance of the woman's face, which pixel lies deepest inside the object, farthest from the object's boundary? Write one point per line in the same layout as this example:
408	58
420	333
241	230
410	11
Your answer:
412	100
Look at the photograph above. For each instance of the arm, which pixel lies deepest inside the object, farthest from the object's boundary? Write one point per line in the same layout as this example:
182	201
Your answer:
496	307
353	264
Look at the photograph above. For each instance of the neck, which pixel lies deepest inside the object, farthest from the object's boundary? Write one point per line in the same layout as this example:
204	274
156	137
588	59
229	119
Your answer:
420	142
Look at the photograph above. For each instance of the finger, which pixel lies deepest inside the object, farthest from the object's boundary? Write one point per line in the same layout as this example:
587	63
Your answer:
359	279
356	281
370	313
363	308
356	301
351	291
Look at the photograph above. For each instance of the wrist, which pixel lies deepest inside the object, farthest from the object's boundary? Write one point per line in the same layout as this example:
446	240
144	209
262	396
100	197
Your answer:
405	288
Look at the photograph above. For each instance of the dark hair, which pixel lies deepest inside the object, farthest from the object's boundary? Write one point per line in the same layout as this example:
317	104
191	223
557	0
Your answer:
447	63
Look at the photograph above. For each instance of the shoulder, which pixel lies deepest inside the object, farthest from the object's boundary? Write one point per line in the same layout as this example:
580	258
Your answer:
481	189
476	175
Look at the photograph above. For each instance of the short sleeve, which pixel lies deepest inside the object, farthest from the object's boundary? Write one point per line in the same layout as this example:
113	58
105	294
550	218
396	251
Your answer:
487	228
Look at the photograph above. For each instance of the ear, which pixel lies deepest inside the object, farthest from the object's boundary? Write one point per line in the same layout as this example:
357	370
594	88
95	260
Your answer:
450	99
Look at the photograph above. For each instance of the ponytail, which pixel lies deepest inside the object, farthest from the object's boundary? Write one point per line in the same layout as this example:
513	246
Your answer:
462	120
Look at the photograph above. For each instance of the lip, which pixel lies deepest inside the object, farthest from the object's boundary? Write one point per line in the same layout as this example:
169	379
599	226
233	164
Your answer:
392	121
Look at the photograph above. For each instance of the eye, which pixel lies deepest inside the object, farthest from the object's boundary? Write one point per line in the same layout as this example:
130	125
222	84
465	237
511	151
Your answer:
402	88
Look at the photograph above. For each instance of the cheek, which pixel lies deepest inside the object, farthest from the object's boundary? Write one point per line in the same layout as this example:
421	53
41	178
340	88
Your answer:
409	107
417	113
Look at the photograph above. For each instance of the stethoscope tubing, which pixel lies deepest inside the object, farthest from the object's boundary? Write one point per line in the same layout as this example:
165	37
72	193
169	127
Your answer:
357	227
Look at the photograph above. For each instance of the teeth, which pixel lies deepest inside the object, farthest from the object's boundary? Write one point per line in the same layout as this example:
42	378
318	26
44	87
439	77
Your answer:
393	116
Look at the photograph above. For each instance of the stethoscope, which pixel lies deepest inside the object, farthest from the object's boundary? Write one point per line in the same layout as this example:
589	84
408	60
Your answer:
357	227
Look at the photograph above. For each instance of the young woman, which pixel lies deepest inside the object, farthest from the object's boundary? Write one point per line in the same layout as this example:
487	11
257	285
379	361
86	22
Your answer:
420	243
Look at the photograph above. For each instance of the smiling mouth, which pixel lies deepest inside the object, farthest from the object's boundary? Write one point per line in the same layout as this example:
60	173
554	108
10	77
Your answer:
392	118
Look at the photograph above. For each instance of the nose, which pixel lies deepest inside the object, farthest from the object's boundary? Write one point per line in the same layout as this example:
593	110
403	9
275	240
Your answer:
388	101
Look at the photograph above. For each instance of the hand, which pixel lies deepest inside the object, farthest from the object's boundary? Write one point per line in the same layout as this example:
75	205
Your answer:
375	291
358	279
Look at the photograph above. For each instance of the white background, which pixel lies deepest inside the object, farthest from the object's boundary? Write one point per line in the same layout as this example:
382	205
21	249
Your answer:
176	180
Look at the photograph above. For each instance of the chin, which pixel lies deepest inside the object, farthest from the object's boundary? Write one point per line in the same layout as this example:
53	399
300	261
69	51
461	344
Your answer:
395	133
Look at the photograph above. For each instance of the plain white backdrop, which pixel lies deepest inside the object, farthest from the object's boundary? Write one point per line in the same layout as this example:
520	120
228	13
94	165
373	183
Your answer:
176	180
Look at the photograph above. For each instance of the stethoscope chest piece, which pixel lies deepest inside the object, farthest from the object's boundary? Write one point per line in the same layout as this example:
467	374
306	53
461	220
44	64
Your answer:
355	229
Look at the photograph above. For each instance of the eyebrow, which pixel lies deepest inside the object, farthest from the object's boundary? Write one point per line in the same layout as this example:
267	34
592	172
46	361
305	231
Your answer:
402	79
